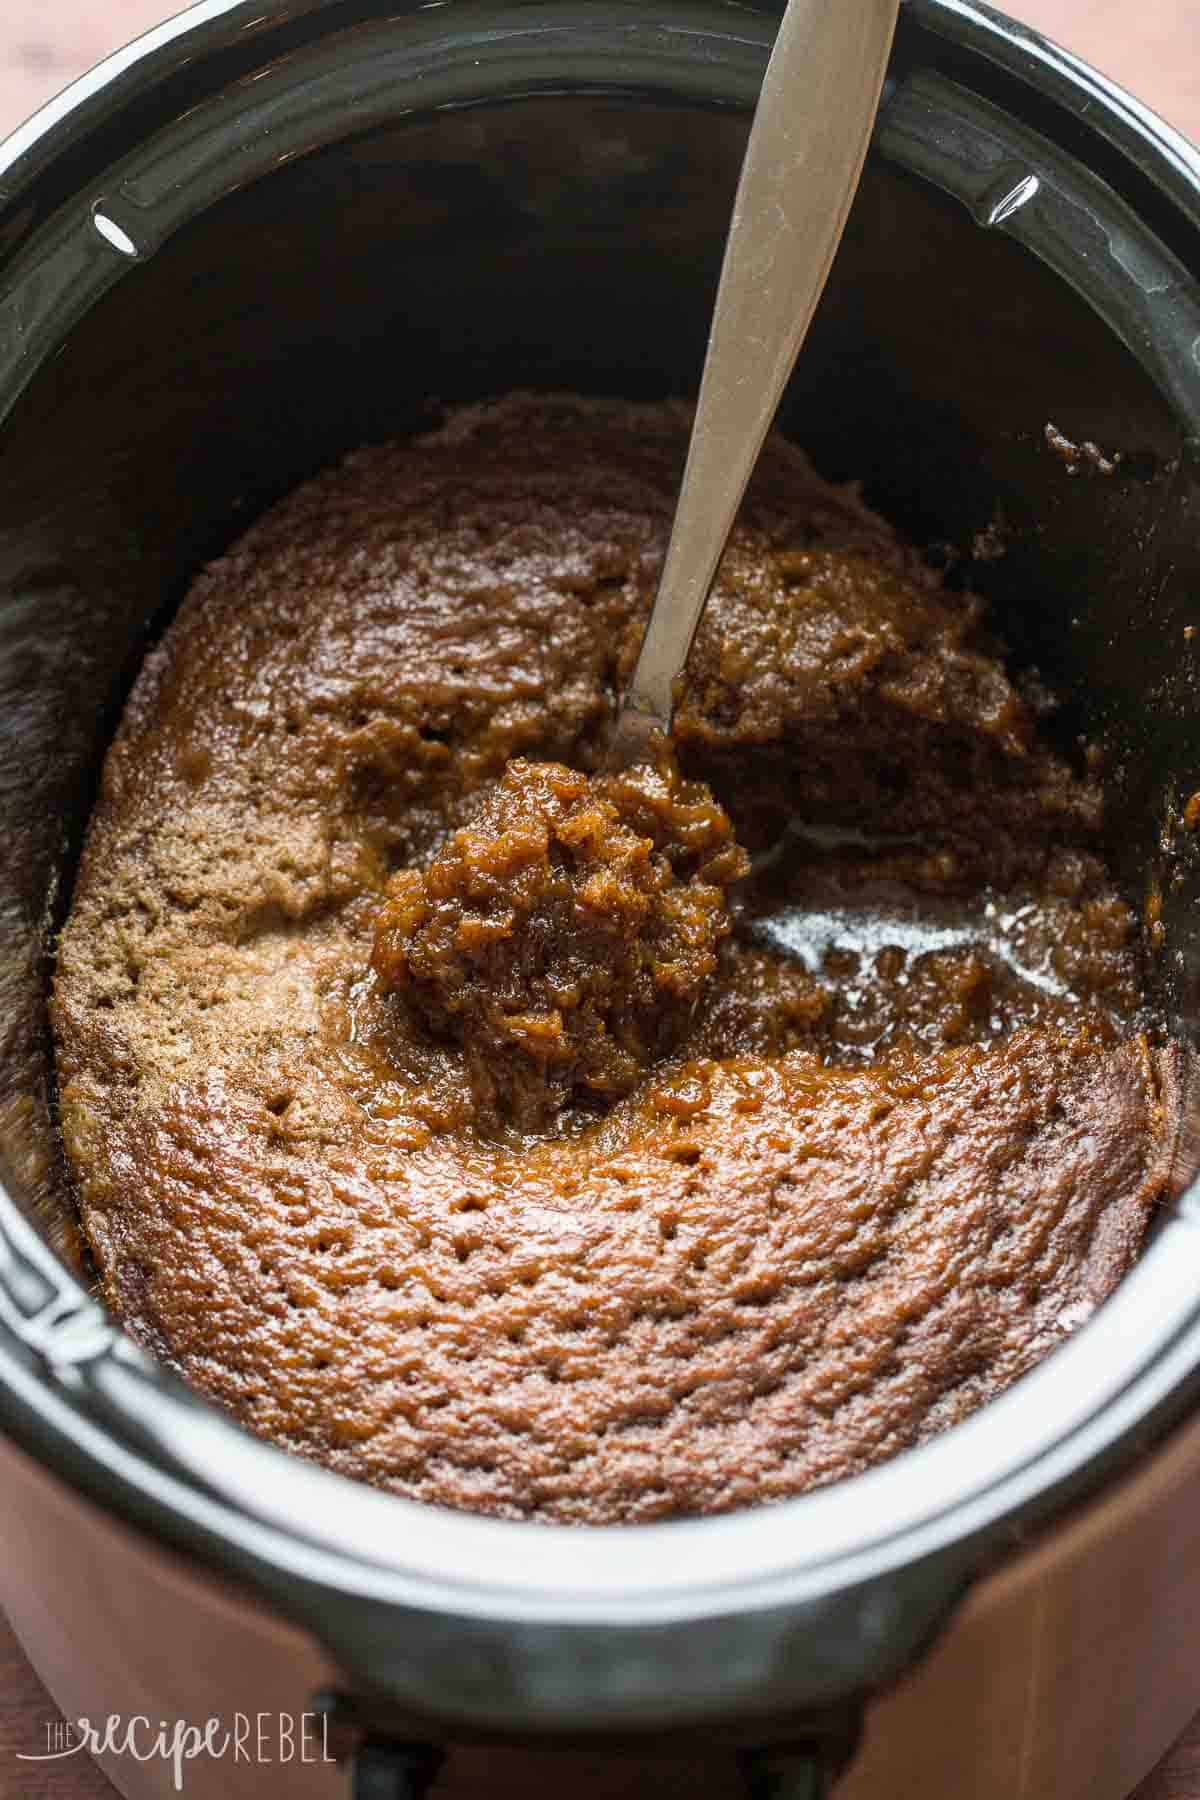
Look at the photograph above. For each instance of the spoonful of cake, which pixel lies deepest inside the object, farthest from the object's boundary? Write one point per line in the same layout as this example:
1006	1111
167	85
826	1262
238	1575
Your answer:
566	933
806	151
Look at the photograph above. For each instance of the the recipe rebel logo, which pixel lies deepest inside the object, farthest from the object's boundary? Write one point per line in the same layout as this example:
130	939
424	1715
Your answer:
258	1738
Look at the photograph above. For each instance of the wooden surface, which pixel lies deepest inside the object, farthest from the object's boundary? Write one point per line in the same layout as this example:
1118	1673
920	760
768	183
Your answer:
1152	46
25	1711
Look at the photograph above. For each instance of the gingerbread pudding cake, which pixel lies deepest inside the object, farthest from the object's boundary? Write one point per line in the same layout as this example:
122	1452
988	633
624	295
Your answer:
547	1142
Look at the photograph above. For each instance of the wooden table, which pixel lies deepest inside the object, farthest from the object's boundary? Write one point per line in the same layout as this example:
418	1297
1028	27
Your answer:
1152	46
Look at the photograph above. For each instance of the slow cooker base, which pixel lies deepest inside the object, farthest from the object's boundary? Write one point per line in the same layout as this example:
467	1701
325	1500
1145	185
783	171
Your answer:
1065	1675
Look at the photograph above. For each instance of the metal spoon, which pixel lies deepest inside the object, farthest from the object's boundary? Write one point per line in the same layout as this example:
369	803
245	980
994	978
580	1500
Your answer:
806	151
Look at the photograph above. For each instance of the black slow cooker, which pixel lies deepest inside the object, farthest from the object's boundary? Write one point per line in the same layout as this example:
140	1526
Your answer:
276	229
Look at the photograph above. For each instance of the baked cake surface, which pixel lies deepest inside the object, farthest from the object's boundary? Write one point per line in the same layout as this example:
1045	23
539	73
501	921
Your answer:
909	1132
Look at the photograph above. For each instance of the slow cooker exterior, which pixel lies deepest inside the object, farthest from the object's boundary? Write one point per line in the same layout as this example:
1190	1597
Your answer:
536	194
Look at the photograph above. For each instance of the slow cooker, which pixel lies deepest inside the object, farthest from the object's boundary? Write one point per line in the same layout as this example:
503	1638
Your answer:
276	229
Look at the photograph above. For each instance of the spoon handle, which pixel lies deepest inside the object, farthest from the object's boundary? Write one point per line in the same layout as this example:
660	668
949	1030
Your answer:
807	147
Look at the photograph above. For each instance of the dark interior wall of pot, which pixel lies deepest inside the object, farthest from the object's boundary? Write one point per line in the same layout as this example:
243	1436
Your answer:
566	242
